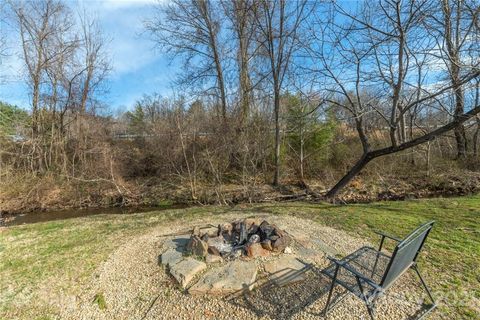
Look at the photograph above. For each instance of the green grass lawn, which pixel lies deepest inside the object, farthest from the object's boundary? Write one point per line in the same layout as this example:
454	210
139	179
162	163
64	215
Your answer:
59	256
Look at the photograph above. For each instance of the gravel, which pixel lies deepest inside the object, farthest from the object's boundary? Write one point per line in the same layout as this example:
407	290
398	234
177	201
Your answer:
135	286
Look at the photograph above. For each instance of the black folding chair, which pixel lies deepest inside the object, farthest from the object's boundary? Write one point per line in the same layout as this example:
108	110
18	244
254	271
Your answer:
368	272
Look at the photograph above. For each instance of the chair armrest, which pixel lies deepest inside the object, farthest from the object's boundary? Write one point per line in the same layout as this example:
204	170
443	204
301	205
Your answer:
347	267
380	233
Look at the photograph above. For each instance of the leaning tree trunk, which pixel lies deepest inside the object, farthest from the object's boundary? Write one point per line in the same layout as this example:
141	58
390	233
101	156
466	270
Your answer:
369	156
361	163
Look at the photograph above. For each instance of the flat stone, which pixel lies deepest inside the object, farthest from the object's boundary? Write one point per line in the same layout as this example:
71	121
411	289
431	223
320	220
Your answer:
286	270
312	243
311	255
212	258
185	270
325	247
178	243
235	277
171	257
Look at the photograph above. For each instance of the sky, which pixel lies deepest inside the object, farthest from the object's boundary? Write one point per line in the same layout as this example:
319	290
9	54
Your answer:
137	67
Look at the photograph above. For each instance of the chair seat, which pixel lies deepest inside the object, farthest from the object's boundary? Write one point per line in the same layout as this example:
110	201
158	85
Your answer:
368	262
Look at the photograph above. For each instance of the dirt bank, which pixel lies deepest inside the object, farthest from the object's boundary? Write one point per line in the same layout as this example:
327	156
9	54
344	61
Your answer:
47	194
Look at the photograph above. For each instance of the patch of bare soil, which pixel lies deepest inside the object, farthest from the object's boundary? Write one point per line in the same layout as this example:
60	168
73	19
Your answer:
132	285
414	186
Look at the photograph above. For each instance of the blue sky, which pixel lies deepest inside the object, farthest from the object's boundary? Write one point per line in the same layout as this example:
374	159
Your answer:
137	67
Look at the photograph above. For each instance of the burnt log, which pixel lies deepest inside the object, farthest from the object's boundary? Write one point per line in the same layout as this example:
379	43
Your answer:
243	236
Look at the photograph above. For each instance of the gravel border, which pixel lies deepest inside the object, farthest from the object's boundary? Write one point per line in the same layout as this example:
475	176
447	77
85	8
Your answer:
134	286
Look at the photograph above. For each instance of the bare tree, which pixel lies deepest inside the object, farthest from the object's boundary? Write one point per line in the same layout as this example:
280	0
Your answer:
452	25
95	64
93	68
382	47
3	35
38	23
65	64
242	17
279	30
44	28
191	29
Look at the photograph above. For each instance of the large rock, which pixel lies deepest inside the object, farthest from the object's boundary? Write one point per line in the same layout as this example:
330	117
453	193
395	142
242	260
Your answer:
185	270
281	243
267	245
266	230
171	257
286	270
197	247
235	277
255	250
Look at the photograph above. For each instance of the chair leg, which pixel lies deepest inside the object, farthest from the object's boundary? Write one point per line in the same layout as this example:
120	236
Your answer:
376	262
370	306
373	307
331	291
434	305
424	284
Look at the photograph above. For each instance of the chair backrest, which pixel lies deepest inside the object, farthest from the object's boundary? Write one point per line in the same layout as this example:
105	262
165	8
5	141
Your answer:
405	254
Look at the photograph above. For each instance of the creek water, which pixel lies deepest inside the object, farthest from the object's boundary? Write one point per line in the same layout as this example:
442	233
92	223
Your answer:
44	216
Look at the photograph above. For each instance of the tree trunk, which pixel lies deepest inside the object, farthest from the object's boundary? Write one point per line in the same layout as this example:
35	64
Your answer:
361	163
302	157
369	156
241	16
475	138
427	157
244	82
459	131
276	176
402	131
453	47
205	10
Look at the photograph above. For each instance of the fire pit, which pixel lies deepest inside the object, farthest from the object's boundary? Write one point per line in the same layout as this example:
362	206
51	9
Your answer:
225	259
247	237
